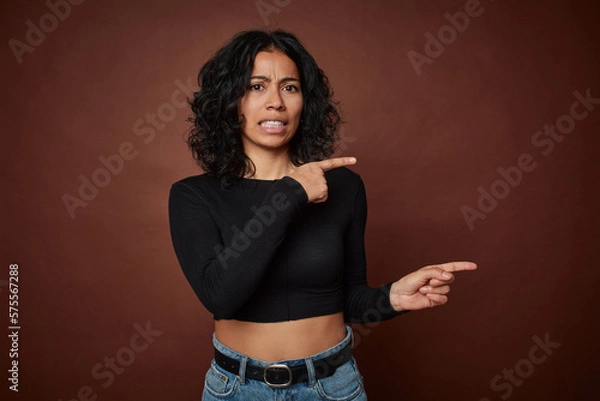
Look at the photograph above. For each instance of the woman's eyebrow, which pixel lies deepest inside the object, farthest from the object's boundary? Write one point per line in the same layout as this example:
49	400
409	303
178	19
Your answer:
288	79
263	78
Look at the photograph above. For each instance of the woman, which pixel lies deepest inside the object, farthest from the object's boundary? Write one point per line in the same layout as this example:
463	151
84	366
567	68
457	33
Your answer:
271	237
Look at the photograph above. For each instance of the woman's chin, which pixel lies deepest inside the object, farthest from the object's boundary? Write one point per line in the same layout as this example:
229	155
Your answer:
276	145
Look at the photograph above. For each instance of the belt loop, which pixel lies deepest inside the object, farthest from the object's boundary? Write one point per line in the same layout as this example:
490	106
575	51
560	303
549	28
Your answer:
311	371
242	372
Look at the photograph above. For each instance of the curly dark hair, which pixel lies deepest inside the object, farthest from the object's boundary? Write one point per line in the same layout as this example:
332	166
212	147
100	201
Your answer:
215	138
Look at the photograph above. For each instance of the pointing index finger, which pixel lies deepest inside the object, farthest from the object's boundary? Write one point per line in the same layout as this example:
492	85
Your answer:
457	266
330	164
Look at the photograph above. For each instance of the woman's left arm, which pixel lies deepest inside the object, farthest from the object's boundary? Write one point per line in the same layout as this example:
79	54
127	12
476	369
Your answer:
424	288
362	304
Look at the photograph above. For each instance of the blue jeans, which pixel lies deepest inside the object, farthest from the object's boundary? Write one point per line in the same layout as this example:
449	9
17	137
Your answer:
346	384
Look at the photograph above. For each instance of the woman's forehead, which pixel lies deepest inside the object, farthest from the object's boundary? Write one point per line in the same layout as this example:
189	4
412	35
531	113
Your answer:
274	63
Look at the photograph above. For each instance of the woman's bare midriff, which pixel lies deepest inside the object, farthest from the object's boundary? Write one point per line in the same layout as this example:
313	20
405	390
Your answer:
282	340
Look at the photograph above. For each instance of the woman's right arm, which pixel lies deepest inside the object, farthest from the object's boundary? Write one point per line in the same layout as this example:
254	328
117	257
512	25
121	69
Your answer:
225	272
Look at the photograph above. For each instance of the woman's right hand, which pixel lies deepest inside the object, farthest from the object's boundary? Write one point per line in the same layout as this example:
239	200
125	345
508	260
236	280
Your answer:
312	176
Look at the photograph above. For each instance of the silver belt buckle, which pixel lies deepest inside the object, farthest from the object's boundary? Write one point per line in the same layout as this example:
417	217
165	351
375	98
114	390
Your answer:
278	366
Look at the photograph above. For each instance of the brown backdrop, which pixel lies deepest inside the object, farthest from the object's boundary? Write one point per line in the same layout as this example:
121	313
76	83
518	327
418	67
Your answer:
448	147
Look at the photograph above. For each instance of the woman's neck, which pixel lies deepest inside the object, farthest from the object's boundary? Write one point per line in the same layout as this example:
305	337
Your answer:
270	165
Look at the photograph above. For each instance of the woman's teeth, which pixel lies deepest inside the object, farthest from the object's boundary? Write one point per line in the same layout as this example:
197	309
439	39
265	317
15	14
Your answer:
271	124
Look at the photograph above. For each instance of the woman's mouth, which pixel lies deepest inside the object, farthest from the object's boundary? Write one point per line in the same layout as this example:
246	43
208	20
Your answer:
272	126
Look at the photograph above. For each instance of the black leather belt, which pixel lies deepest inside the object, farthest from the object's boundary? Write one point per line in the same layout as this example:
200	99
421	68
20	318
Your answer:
280	375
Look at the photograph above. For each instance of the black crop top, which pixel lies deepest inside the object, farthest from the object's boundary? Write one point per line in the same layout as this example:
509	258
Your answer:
258	251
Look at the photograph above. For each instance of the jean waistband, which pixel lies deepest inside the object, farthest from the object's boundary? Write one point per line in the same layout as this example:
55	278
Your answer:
290	362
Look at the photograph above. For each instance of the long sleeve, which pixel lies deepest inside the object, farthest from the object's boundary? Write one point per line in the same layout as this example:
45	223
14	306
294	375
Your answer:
362	304
225	270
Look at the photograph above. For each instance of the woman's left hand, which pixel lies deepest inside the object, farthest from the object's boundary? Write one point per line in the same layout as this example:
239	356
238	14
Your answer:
426	287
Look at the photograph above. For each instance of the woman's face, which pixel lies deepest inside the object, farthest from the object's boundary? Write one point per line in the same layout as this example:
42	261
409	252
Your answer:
272	104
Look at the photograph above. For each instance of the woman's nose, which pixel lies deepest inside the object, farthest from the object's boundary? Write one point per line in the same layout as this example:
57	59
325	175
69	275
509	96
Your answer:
274	101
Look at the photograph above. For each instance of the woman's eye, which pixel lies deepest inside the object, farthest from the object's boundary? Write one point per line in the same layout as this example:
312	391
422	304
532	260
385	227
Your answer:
256	87
291	88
